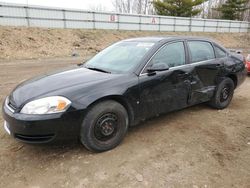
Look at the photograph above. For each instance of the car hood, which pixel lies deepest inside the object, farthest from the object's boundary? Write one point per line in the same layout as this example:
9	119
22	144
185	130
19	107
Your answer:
57	81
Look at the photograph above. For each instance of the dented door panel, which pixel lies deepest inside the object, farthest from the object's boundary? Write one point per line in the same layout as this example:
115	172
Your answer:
165	91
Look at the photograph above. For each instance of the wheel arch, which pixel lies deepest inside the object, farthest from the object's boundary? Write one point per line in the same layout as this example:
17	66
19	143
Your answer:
234	78
119	99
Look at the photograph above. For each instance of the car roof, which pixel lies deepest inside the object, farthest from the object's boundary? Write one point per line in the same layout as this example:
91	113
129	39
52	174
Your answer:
165	38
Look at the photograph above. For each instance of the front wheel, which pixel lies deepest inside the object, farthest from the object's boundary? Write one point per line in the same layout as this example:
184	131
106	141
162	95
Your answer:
104	126
223	94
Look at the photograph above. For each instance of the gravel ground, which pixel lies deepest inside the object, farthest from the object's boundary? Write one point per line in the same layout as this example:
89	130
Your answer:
194	147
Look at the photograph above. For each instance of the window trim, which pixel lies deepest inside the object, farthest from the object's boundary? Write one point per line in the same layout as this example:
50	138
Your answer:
180	66
189	51
165	44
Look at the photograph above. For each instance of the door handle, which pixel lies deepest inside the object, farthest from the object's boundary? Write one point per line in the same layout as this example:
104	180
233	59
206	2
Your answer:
183	75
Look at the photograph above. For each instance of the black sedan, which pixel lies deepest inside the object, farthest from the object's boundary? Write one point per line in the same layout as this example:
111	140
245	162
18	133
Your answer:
130	81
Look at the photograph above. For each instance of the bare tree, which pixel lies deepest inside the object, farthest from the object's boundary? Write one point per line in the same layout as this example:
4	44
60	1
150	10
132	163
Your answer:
97	8
215	14
123	6
133	6
209	12
246	14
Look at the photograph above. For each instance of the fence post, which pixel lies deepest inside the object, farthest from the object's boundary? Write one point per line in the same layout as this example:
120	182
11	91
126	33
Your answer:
94	27
174	23
230	26
204	25
190	24
139	22
118	21
240	27
217	25
159	24
64	19
27	15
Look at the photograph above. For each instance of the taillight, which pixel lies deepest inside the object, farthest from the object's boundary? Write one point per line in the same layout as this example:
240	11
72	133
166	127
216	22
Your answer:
248	63
245	60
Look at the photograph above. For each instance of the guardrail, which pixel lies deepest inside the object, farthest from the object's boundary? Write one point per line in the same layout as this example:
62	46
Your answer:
37	16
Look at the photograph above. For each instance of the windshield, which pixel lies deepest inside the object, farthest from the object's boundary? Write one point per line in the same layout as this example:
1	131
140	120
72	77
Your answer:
120	57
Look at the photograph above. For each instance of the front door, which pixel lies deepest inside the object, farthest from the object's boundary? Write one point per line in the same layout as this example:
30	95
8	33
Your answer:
164	91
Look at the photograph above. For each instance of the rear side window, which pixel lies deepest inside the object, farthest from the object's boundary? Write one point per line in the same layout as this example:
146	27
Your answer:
219	52
200	51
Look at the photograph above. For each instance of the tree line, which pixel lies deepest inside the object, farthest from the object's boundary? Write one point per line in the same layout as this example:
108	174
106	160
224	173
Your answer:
213	9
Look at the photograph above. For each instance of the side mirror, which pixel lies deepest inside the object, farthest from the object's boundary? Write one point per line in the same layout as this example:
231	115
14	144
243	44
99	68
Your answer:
158	67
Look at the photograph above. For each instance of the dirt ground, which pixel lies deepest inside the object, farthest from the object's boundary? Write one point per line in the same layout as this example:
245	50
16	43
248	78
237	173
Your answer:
194	147
30	43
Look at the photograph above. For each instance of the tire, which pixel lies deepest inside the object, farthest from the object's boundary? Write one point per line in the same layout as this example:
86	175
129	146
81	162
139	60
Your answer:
104	126
223	94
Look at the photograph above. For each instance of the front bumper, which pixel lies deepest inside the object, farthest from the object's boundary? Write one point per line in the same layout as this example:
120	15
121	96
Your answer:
42	128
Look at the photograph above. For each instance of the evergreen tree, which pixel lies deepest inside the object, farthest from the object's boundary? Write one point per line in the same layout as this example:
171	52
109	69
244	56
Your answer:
232	9
183	8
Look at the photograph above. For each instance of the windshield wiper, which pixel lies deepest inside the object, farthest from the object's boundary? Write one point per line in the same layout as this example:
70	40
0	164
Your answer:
97	69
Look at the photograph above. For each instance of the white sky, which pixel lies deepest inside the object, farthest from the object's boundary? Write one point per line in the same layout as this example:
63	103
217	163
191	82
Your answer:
79	4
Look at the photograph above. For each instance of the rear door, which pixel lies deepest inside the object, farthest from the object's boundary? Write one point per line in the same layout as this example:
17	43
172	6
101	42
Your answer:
206	68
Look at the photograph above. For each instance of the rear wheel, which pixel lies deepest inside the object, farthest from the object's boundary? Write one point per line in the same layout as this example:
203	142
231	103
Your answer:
104	126
223	94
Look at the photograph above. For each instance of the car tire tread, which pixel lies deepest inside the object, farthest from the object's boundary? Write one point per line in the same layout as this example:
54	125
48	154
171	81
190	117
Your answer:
215	101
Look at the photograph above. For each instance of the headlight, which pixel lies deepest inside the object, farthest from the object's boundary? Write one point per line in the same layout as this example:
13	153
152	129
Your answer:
47	105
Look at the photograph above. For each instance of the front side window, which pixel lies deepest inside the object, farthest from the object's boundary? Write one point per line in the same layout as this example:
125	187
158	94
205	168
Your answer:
172	55
200	51
120	57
